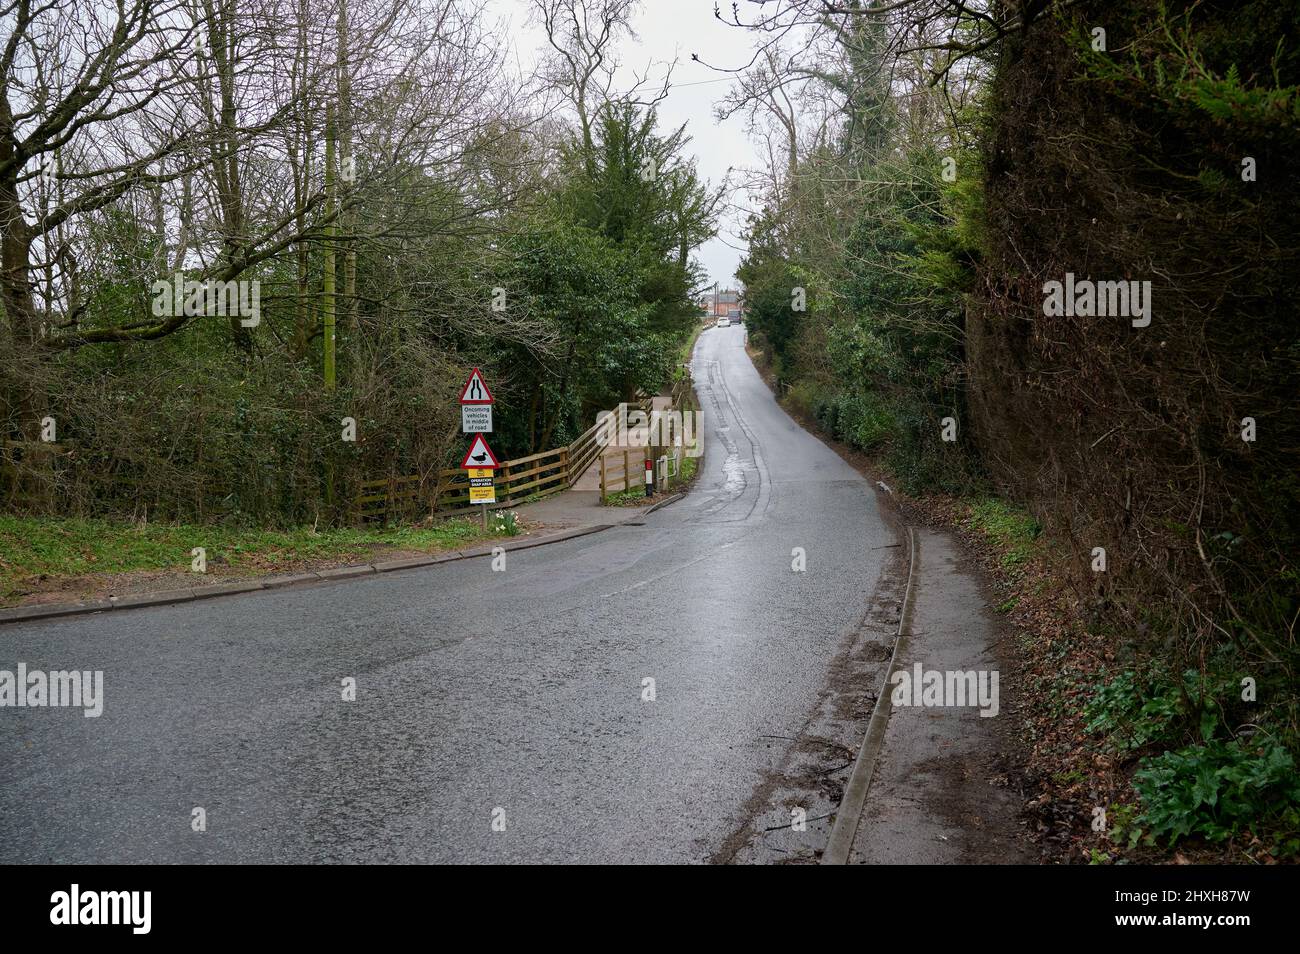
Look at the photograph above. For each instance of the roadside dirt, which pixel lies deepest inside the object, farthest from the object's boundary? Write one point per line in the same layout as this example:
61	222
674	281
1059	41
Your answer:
946	788
788	818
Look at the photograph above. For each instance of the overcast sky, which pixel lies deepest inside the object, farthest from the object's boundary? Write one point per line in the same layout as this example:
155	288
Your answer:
668	29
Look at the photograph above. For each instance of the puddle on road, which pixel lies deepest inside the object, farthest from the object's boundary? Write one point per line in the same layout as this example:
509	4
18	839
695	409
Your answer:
733	475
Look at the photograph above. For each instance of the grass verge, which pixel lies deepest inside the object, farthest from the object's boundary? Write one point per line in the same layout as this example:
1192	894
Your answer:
41	554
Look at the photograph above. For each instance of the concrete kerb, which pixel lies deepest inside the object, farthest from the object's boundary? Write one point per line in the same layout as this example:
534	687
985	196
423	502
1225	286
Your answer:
665	502
22	614
845	828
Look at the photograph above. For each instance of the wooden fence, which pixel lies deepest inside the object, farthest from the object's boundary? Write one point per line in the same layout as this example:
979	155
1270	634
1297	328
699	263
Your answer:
446	493
619	474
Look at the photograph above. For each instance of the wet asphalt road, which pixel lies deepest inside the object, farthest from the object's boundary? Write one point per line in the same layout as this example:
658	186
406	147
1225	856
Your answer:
517	693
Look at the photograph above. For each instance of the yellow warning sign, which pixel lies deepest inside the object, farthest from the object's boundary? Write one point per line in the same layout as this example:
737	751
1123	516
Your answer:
481	488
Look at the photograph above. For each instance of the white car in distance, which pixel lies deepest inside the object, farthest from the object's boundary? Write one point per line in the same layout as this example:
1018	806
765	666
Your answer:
724	323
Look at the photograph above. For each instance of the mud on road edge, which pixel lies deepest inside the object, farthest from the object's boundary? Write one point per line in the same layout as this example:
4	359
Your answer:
1013	749
806	767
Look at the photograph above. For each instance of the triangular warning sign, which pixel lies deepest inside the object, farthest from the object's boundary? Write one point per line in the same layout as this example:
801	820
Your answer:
475	390
479	454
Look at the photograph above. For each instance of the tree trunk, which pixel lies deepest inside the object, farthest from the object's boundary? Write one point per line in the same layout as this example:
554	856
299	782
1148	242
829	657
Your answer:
327	281
348	160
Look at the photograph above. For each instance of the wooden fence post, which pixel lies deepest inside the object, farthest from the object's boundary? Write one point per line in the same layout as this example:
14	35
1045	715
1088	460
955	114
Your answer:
602	479
627	476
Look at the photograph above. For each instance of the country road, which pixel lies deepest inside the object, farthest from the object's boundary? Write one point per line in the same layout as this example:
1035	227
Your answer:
517	693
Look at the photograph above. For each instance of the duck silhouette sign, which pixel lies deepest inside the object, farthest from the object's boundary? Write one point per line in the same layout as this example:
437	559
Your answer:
479	455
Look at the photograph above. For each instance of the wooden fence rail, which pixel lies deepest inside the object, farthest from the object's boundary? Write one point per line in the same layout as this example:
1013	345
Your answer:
446	492
618	474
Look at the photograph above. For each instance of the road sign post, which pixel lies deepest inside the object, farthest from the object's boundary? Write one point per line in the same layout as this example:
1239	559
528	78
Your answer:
476	418
476	405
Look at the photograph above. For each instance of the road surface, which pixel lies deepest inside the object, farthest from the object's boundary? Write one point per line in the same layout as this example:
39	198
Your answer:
512	697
